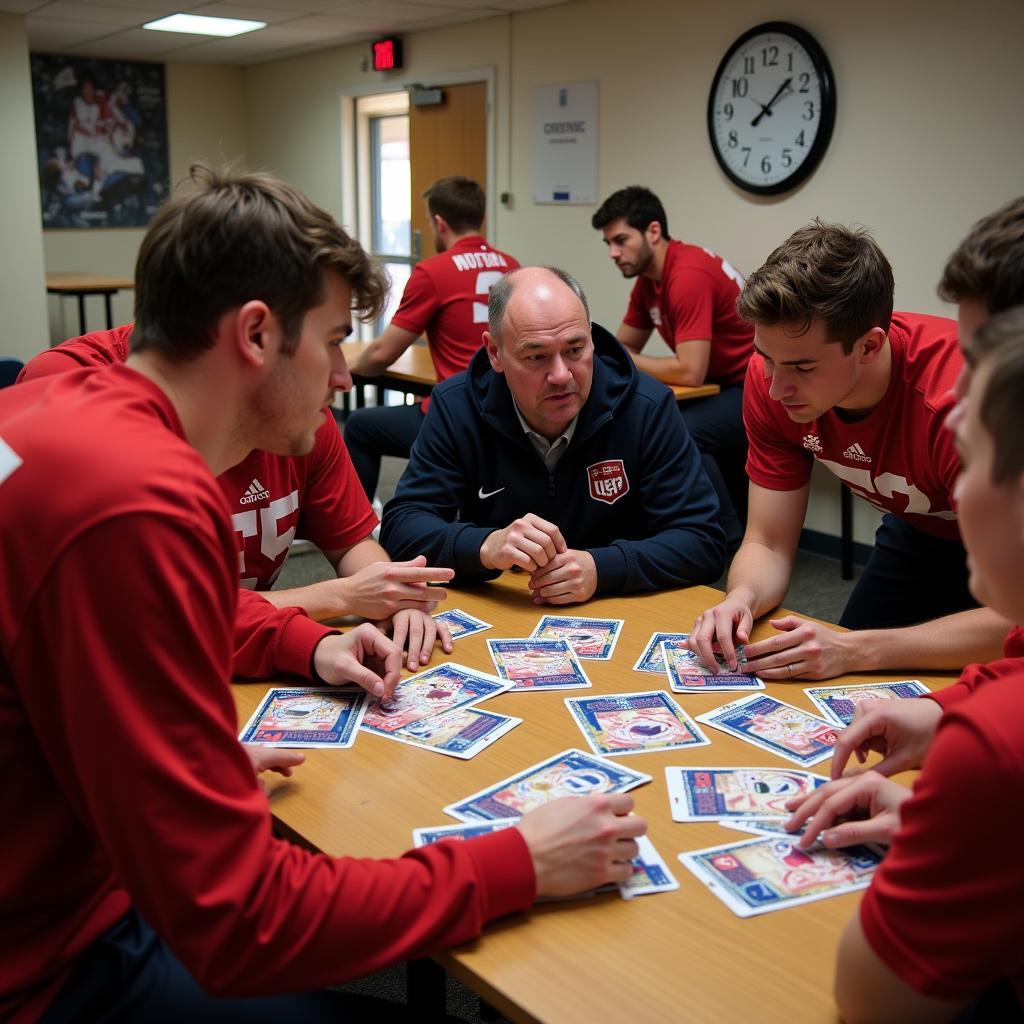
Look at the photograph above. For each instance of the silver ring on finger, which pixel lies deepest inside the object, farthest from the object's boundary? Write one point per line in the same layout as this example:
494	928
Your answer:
790	667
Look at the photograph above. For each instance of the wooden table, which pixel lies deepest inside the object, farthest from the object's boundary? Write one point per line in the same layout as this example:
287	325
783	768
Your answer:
413	372
679	956
81	285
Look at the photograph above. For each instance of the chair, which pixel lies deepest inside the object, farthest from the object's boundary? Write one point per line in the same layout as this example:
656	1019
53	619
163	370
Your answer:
9	370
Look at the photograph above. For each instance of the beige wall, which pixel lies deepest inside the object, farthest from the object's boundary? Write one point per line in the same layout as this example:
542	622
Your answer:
22	284
205	121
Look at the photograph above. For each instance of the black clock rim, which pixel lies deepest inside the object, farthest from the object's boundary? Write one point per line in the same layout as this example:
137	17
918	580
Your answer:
828	107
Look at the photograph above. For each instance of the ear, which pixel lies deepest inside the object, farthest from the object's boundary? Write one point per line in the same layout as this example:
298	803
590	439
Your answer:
493	352
653	232
868	347
440	224
253	327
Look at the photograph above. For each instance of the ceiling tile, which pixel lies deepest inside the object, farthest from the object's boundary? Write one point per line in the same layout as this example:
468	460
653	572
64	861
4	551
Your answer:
100	15
248	12
20	6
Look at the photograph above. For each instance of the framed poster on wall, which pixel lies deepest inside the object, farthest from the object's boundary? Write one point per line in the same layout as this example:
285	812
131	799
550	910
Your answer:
565	143
101	141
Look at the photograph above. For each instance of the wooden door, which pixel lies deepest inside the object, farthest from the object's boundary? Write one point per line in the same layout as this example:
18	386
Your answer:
450	138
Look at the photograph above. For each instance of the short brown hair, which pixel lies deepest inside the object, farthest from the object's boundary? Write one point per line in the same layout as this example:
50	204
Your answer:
823	270
234	237
999	343
461	201
989	263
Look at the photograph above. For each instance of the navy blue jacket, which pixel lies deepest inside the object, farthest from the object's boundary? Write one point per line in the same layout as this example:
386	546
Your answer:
649	523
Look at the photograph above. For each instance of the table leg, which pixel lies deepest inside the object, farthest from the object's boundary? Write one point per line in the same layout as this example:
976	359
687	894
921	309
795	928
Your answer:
110	313
846	530
81	313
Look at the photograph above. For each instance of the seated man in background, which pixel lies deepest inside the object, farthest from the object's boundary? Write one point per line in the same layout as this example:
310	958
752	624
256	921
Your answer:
317	497
446	299
143	880
943	920
554	455
841	379
689	294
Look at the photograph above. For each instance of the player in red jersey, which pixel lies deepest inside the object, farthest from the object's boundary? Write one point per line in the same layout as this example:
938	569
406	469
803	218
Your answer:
842	380
316	497
943	920
689	294
446	299
117	724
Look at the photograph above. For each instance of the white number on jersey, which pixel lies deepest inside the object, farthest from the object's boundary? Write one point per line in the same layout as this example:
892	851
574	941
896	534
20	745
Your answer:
264	522
485	281
886	485
727	268
10	460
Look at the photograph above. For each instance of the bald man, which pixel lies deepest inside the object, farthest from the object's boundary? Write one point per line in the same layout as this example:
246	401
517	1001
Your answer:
554	455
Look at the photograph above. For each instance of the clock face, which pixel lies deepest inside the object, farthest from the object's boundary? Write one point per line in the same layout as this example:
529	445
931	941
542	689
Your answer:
771	109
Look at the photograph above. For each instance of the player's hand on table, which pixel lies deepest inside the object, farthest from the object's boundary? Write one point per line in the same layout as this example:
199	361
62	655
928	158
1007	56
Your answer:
722	626
570	577
415	632
529	542
273	759
800	650
580	843
363	655
380	589
900	730
862	808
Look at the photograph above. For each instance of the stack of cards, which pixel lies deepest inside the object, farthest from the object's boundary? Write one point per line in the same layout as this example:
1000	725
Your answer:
307	717
725	794
688	674
570	773
461	624
592	639
773	725
770	873
838	703
538	664
634	723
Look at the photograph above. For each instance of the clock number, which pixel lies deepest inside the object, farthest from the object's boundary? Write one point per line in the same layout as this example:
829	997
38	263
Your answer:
808	114
787	160
748	65
770	57
733	140
789	61
805	79
728	111
800	140
746	157
766	165
740	87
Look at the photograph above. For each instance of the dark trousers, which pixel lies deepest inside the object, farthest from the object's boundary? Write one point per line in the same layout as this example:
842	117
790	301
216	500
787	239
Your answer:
910	577
716	426
380	430
130	975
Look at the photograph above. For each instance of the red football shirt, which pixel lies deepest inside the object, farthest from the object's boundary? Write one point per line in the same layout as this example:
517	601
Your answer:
273	498
446	298
945	910
900	457
696	301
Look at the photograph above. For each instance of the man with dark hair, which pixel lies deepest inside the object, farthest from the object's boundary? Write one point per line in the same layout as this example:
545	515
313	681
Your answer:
446	299
689	294
842	380
143	874
553	455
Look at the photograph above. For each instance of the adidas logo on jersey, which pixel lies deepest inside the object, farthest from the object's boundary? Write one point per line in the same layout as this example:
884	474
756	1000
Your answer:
812	442
255	492
856	453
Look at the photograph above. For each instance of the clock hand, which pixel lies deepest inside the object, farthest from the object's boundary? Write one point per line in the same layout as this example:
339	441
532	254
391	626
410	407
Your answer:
767	109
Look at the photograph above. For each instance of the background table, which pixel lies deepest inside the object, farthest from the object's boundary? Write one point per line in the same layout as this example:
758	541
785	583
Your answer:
679	956
81	285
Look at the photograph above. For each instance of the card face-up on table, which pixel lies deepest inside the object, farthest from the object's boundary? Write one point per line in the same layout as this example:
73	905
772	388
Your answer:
461	733
688	674
838	703
570	773
721	794
307	717
538	664
634	723
592	639
461	624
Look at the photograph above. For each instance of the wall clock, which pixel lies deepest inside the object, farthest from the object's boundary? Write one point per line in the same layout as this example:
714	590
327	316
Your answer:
772	108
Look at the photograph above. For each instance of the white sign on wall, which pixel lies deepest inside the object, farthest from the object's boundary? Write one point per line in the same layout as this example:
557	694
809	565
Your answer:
565	143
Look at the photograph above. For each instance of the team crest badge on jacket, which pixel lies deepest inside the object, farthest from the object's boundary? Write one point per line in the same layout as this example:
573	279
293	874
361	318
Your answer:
608	481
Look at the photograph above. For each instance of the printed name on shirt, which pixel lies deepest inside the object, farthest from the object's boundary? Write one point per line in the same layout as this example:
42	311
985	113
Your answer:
608	481
478	260
255	492
856	453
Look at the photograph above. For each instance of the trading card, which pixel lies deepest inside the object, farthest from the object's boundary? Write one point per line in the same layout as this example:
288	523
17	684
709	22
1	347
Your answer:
570	773
461	624
770	873
438	690
710	794
538	664
752	826
653	658
650	873
792	733
461	733
307	717
634	723
426	836
592	639
688	674
838	703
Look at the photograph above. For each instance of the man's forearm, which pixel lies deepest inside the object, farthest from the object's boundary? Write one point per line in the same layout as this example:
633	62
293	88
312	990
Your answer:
325	600
760	575
668	369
